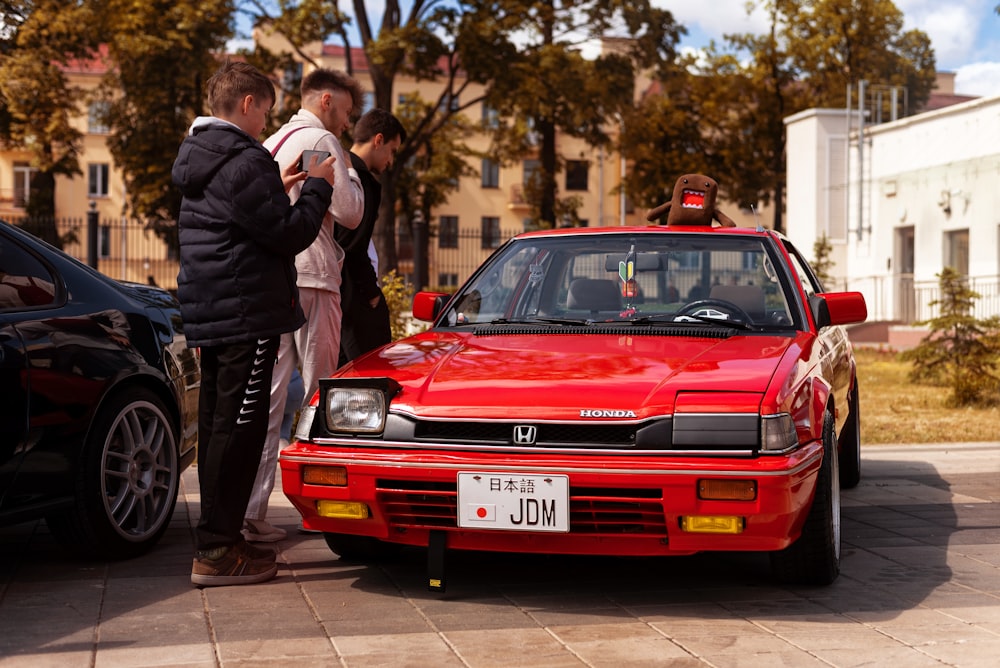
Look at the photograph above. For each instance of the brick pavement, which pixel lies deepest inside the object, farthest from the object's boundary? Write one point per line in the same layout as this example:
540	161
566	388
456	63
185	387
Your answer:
920	586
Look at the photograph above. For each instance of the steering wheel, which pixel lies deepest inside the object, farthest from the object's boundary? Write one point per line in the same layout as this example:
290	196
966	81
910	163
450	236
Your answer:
727	307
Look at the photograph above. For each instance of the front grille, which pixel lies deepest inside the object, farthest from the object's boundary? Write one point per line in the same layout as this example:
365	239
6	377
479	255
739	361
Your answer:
594	511
548	435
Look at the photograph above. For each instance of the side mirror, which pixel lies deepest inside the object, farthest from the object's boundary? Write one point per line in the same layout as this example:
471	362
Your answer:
428	305
838	308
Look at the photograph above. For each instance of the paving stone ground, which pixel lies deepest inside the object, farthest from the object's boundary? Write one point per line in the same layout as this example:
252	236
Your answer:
920	586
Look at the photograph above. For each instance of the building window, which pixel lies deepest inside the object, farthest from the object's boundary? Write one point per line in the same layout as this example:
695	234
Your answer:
97	115
956	251
491	173
97	179
447	280
491	117
448	232
490	232
576	174
22	183
530	170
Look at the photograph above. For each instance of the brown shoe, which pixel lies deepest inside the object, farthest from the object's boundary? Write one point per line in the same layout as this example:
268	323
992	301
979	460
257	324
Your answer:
239	564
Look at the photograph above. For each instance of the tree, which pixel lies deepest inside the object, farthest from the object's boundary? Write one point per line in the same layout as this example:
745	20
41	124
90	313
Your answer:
960	350
822	264
810	55
165	51
37	104
547	86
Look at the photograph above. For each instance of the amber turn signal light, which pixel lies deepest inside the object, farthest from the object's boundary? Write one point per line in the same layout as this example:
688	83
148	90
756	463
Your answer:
727	490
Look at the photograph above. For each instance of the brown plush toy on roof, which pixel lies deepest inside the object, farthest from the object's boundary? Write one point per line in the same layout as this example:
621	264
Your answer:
693	203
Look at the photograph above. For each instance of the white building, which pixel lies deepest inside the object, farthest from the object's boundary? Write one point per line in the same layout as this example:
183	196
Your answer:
926	196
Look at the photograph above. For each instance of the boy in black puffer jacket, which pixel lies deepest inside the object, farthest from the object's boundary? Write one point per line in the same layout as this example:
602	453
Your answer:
239	235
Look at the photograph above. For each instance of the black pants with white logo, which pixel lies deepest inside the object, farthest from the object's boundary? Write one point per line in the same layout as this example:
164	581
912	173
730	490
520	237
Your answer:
232	425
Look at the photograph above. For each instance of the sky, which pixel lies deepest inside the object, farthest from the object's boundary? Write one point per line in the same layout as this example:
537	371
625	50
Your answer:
965	34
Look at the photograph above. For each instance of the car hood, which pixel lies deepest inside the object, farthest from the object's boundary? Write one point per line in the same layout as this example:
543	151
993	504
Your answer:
459	375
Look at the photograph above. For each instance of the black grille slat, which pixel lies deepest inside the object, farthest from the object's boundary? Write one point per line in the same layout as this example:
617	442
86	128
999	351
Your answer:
593	511
549	434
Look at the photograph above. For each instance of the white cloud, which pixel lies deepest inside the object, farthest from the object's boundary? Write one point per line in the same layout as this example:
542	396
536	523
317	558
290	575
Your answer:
978	79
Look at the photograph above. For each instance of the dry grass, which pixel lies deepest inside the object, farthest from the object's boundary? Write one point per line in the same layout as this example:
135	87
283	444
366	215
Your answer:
895	410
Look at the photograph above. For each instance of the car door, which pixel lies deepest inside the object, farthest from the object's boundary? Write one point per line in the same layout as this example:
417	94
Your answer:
27	288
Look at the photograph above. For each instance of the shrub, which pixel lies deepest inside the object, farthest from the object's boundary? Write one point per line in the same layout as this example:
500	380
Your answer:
398	297
960	351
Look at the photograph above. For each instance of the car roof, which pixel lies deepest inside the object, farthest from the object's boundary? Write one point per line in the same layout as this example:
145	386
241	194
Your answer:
646	229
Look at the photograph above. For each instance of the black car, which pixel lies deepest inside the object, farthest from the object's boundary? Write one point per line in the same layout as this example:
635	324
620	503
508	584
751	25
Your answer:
100	401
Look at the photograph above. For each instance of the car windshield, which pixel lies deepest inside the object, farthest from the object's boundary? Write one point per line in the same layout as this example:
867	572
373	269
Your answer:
630	278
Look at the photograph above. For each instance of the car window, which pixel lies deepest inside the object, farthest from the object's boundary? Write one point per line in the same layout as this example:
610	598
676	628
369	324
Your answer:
619	277
24	281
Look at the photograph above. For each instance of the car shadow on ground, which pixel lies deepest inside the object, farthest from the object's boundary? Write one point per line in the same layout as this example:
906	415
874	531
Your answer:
897	525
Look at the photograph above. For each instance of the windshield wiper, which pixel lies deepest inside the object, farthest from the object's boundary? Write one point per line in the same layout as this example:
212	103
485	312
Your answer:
536	321
668	318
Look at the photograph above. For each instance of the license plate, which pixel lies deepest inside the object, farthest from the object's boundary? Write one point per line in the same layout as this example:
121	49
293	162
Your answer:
513	501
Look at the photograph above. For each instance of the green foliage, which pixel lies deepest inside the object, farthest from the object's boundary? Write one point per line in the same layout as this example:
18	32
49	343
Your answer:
171	49
822	264
37	103
398	297
961	351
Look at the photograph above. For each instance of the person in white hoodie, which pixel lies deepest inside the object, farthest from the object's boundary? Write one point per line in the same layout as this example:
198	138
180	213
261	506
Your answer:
329	98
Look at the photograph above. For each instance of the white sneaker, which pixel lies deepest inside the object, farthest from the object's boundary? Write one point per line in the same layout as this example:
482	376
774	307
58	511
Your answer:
259	531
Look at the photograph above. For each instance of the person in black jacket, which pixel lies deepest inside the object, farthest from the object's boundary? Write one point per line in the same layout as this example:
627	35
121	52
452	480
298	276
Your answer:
239	234
377	136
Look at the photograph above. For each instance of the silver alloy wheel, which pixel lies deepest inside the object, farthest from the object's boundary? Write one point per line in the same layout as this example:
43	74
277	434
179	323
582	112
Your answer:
139	470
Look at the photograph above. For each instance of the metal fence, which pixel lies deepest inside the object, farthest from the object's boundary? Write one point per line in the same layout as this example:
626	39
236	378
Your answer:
130	251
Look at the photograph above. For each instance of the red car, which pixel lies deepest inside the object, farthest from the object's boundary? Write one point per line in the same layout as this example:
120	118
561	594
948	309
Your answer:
657	390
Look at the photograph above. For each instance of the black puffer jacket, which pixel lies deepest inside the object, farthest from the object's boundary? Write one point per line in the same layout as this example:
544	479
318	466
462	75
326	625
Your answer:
239	235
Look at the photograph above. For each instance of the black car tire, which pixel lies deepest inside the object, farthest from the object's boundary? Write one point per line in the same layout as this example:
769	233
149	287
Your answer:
850	443
361	548
127	480
814	559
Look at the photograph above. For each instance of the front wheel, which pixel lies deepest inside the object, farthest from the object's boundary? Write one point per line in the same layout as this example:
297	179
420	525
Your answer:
814	559
126	480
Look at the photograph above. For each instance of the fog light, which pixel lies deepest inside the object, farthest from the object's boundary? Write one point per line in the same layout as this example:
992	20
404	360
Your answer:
727	490
713	524
342	510
335	476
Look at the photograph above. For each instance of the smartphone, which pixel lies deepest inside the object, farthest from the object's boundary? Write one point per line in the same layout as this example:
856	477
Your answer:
307	157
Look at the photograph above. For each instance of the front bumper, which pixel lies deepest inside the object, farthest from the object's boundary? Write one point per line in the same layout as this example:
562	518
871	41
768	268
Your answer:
619	505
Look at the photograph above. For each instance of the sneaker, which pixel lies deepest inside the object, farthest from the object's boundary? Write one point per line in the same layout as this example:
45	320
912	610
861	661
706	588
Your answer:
236	565
260	531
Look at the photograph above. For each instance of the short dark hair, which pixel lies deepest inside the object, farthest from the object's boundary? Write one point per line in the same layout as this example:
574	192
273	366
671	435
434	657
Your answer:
234	81
378	121
321	80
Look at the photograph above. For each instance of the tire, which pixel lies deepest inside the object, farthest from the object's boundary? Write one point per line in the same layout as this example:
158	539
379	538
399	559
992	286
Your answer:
361	548
814	559
850	443
126	480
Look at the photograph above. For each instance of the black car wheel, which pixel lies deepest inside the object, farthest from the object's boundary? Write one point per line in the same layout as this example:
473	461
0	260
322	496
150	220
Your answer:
850	444
814	559
127	480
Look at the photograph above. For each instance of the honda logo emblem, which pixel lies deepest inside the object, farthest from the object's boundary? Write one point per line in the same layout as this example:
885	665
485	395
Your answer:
524	434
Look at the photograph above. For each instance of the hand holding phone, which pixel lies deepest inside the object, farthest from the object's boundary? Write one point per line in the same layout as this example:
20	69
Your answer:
309	157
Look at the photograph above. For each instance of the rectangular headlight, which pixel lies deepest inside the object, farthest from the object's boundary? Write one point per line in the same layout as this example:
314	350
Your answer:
356	405
777	433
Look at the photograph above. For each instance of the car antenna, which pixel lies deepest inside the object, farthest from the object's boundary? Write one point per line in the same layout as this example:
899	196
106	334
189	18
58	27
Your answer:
756	217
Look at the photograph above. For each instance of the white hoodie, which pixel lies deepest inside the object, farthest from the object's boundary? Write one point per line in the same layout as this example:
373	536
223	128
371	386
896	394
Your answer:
319	266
